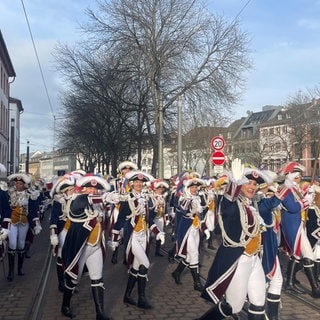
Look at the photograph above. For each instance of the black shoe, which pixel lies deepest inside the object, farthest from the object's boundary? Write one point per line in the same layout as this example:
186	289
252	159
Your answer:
129	300
66	311
10	278
144	304
20	272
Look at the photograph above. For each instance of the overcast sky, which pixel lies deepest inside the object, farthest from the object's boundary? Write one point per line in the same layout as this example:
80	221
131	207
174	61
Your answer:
285	50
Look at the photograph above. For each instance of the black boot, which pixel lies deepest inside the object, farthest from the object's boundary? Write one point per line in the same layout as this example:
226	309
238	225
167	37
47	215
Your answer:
176	273
20	262
142	281
158	245
132	279
196	278
220	311
171	254
210	241
98	295
11	258
27	249
273	301
290	284
67	295
256	312
317	270
114	258
309	270
60	275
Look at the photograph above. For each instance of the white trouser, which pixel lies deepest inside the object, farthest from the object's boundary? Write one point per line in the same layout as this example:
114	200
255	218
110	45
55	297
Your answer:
305	246
275	284
17	235
93	258
193	241
61	238
248	280
138	247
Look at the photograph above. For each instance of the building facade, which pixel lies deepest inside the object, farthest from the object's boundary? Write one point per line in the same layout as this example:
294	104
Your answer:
15	110
7	76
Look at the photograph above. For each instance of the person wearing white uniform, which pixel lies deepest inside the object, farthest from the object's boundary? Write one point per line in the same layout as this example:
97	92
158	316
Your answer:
85	242
135	220
189	230
158	206
24	213
237	273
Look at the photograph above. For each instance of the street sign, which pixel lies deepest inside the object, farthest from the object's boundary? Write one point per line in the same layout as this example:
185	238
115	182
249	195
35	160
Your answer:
218	158
217	143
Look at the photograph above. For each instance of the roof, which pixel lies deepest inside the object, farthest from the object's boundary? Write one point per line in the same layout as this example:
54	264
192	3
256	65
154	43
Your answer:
17	102
5	58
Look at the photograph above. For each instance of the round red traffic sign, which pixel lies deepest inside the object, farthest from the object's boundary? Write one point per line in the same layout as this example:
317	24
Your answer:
217	143
218	158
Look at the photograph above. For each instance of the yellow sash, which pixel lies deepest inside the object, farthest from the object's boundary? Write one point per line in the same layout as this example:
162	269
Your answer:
94	236
253	246
141	224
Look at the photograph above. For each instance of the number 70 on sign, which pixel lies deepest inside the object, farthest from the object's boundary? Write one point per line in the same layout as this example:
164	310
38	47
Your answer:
217	143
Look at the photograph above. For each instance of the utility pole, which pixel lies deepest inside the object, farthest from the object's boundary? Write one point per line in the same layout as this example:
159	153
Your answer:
27	159
179	134
160	146
12	153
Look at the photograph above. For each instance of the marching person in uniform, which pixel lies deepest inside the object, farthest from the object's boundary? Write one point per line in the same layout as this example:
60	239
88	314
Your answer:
121	186
313	227
189	229
268	202
135	220
61	193
236	272
293	220
23	213
159	208
85	243
4	211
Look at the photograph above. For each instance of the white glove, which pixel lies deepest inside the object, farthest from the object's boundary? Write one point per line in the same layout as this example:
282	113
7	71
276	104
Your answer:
172	212
310	197
37	229
161	236
237	171
207	234
54	240
3	234
111	197
113	245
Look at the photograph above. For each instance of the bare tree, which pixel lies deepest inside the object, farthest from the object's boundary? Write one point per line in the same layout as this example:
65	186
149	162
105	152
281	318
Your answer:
178	48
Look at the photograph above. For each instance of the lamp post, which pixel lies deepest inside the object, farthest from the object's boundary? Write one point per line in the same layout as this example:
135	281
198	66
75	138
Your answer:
27	159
